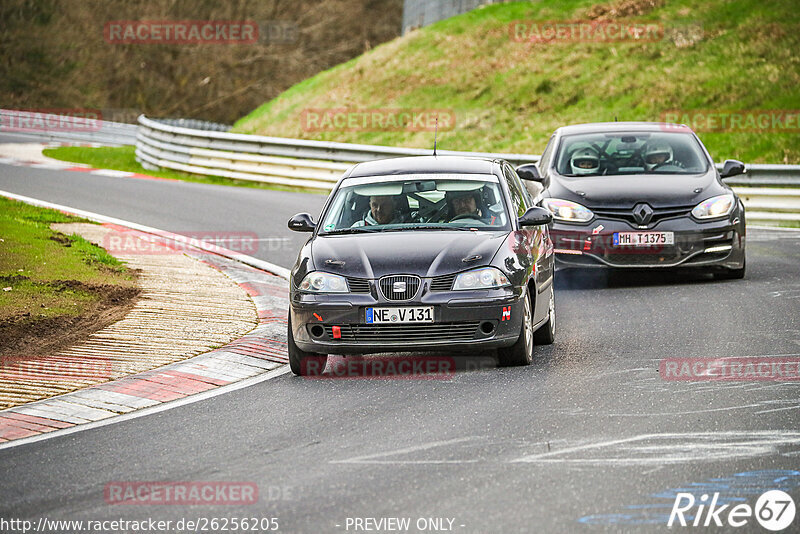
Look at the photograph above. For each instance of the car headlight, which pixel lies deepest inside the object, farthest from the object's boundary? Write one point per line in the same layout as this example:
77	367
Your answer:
714	207
317	282
483	278
565	210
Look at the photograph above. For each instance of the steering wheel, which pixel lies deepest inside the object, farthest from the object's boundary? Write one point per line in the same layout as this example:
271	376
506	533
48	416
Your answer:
671	163
667	165
469	216
436	214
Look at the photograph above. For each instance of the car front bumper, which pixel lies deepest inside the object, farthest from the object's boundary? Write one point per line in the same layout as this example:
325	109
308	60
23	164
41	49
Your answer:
718	244
481	320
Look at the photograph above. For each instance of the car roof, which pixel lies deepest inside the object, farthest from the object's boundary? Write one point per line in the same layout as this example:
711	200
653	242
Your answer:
424	164
610	127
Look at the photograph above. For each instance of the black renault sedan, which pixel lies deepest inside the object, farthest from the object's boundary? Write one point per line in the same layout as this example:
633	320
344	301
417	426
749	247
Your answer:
423	254
639	195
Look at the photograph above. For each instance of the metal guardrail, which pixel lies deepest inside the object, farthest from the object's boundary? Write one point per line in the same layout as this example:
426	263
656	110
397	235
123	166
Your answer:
770	192
766	190
770	204
293	148
197	124
51	128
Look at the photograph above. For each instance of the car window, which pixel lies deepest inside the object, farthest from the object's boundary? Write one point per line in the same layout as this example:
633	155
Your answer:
544	162
418	201
518	193
606	154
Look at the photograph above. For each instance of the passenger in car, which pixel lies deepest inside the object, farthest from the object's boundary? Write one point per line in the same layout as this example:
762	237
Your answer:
382	210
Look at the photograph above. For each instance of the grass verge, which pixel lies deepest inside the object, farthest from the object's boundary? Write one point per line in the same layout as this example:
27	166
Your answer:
729	57
46	276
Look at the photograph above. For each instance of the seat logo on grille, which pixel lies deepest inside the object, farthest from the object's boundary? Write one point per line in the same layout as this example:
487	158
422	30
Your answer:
400	287
643	213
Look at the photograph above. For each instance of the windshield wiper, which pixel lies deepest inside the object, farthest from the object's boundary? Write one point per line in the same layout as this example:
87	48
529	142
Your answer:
430	227
356	230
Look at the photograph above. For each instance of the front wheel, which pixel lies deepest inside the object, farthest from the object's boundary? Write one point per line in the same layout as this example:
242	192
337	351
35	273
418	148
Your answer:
731	274
304	363
521	352
546	334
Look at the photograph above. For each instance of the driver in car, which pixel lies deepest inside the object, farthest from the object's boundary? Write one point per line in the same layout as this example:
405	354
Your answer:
382	210
585	161
658	155
463	205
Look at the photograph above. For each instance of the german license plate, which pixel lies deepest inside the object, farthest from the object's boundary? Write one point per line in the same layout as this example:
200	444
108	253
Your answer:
643	239
400	315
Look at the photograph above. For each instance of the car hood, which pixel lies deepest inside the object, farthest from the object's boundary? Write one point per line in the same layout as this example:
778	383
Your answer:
424	253
660	191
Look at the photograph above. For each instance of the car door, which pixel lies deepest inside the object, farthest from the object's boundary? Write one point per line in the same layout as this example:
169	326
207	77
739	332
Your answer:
538	244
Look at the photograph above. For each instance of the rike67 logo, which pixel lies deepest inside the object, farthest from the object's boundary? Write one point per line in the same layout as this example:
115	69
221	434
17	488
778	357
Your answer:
774	510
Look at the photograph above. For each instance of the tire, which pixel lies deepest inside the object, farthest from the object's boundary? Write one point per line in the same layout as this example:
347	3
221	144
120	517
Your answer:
521	352
546	334
731	274
304	363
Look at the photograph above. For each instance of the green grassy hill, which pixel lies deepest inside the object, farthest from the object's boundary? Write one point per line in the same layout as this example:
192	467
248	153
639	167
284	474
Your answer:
507	96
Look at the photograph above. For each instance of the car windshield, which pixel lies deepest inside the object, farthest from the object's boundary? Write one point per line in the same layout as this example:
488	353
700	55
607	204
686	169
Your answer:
417	202
599	154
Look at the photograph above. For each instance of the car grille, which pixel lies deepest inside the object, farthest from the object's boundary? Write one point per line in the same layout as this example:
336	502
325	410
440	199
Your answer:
443	283
358	285
665	258
406	333
387	287
626	214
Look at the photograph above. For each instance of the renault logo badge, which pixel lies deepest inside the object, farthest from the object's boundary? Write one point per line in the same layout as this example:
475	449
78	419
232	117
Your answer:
643	213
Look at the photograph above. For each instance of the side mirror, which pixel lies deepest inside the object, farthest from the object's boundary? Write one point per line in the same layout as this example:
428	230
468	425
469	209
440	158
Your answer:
529	172
536	216
302	223
732	167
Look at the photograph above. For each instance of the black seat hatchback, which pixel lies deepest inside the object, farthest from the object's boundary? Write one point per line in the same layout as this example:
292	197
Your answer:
423	254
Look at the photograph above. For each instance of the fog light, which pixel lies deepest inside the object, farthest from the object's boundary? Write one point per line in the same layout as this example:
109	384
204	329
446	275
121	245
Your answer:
317	330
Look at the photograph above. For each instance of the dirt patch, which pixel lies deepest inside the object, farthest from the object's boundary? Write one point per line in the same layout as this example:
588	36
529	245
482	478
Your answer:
24	336
62	239
623	8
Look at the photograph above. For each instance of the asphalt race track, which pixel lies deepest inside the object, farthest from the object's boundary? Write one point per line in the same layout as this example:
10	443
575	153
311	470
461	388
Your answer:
589	438
180	207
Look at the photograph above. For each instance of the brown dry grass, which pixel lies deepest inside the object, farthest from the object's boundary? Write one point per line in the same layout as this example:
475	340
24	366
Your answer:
54	54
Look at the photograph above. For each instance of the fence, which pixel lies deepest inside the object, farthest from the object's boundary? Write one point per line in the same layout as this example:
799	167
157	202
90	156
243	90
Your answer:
420	13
